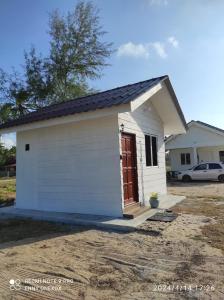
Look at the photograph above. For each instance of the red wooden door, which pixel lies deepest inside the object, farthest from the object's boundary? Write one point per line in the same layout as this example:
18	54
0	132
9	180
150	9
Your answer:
129	166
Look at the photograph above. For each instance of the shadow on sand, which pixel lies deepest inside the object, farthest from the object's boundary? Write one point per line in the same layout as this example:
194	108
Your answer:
22	231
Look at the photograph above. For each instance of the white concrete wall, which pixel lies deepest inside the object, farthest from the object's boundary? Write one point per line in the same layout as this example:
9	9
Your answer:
209	153
71	168
207	142
175	159
145	120
205	154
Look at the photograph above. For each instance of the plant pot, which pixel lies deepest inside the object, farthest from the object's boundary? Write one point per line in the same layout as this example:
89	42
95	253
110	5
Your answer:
154	202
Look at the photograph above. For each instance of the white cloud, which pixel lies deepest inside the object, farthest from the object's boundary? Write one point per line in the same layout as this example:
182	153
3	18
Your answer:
158	2
133	50
173	41
141	50
160	49
8	140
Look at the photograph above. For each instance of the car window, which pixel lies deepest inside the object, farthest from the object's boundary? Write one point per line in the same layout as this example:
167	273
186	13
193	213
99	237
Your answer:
214	166
200	167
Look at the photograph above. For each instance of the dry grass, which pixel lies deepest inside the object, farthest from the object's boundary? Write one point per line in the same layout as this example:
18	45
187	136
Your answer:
209	206
215	234
205	206
7	191
19	229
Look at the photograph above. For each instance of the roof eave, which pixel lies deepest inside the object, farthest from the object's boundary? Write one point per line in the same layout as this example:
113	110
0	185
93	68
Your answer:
180	125
72	118
206	127
176	102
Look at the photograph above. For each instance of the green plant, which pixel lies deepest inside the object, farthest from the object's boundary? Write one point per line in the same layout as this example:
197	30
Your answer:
154	195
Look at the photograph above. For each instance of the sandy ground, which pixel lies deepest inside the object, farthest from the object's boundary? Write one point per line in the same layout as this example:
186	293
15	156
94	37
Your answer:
158	261
197	188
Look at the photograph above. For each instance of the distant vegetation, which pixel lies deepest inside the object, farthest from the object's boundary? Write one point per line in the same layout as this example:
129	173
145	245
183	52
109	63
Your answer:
7	156
7	192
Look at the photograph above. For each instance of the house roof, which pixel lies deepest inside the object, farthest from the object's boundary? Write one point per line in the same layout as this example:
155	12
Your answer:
114	97
209	126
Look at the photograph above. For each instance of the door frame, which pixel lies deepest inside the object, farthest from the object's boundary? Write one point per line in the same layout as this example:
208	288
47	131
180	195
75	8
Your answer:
136	169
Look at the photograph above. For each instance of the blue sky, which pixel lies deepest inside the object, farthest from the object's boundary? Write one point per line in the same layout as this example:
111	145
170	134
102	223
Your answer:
181	38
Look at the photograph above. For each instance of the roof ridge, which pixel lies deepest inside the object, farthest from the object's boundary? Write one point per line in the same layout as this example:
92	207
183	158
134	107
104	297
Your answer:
209	125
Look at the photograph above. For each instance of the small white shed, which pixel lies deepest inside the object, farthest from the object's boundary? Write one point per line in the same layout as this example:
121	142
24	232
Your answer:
201	143
99	153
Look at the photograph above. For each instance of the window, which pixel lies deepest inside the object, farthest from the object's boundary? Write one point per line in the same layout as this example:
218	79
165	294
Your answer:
188	159
154	151
148	150
214	166
151	150
185	158
221	155
182	158
201	167
27	147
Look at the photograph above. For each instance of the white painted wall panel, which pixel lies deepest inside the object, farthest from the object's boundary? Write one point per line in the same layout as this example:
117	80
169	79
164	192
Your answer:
205	154
175	159
145	120
209	153
71	168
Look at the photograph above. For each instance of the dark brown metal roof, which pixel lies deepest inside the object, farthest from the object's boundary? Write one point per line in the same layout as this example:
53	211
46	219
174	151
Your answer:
117	96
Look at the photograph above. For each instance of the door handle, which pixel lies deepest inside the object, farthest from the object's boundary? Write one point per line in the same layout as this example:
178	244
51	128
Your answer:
204	171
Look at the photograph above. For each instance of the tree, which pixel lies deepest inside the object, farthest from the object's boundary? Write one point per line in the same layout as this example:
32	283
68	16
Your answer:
76	54
76	50
14	96
7	156
2	155
38	79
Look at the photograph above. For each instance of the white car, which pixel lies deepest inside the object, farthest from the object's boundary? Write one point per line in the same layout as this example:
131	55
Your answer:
203	171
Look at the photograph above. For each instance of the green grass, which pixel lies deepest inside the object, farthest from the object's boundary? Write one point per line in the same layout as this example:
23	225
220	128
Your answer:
7	191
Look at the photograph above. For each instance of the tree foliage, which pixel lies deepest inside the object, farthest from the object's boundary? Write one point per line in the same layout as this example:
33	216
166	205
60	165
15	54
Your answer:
76	54
7	156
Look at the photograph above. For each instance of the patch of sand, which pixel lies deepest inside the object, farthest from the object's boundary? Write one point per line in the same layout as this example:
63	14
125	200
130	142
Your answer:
197	188
158	261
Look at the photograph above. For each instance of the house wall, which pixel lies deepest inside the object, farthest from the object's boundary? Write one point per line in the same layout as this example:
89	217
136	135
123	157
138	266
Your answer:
71	168
196	136
209	153
204	154
175	159
145	120
208	143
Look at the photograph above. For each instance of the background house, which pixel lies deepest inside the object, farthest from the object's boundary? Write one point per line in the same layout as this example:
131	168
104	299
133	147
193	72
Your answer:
8	170
201	143
7	161
99	153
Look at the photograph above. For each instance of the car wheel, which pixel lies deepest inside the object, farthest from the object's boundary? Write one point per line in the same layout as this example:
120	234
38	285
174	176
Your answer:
186	178
221	178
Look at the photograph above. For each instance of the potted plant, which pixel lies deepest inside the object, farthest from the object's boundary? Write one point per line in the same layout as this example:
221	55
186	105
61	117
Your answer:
154	202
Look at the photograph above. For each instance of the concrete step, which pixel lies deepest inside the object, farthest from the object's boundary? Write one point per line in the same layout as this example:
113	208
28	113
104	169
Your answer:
134	211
